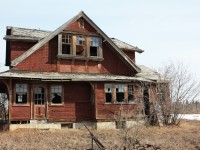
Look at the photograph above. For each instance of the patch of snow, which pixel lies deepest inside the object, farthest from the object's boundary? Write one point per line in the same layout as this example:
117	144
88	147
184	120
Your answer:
190	116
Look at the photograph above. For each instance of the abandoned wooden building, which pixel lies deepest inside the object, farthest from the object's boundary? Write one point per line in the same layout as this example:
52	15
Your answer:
72	75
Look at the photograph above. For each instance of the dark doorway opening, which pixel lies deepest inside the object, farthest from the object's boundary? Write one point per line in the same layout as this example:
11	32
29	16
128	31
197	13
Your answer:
146	101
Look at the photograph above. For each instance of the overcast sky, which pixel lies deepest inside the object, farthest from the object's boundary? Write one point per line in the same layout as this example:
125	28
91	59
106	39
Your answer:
166	30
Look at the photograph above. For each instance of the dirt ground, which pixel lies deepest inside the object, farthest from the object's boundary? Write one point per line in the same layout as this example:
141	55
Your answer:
183	137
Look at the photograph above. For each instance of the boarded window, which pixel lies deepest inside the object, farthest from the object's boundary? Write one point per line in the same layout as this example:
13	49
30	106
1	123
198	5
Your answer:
56	94
21	93
131	93
120	93
108	93
95	44
66	44
38	96
80	45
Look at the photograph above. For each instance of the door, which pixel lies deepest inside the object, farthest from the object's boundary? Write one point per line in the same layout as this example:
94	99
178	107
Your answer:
39	108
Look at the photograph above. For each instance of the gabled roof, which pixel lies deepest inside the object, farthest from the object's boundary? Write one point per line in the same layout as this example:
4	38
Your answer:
126	46
42	42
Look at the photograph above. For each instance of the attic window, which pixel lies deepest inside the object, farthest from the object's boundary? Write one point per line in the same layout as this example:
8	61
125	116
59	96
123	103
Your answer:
66	44
95	44
81	23
80	45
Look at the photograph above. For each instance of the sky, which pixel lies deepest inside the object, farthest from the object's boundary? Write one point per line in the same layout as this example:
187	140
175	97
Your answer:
167	30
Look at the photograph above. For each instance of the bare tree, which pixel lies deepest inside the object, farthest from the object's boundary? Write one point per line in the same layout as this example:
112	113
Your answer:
3	106
177	83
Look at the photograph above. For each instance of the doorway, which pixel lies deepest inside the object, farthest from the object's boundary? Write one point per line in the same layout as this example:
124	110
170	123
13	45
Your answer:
39	108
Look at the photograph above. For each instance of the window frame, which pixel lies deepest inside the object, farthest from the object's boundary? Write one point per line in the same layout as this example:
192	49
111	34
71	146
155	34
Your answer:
95	42
131	91
27	95
51	97
111	88
76	45
119	92
67	40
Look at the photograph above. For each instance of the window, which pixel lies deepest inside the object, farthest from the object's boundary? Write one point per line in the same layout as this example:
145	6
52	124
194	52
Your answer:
81	23
66	44
80	45
21	93
108	93
56	94
131	93
38	96
95	44
120	93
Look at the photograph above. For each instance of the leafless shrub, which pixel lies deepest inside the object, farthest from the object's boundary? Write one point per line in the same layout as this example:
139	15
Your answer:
180	87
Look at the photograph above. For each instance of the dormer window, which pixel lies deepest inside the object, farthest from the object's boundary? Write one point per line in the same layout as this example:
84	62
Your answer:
80	45
95	44
66	44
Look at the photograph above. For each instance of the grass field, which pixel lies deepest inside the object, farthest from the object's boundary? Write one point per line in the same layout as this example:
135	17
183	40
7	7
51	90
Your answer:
183	137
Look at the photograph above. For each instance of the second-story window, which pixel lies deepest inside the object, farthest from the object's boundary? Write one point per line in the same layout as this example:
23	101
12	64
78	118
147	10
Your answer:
80	45
66	44
95	44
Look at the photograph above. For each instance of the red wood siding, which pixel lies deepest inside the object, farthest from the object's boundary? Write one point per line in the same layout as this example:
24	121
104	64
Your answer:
77	104
105	112
41	60
17	48
130	54
20	113
75	27
112	64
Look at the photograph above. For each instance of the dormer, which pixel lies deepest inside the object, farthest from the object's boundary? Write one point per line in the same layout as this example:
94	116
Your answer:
128	49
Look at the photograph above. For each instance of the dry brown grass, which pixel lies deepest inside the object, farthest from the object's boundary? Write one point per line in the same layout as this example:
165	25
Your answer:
183	137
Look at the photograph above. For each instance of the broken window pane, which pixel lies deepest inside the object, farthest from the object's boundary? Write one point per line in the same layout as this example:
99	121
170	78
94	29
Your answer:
120	93
66	44
95	43
21	93
56	93
108	93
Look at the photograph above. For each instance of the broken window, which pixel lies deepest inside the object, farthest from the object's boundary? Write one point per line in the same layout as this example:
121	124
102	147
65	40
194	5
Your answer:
95	44
131	93
80	45
21	93
38	96
120	93
66	44
108	93
56	94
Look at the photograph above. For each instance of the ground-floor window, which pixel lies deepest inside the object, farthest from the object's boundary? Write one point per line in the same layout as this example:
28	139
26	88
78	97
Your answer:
120	93
131	96
108	93
21	93
56	94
